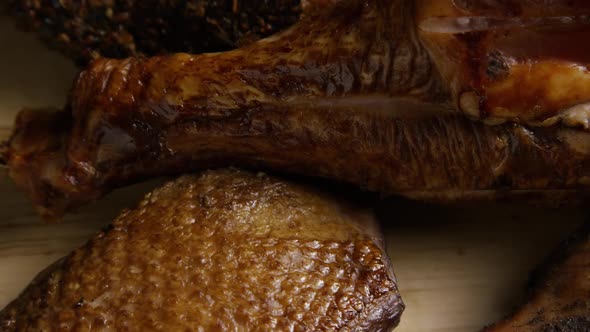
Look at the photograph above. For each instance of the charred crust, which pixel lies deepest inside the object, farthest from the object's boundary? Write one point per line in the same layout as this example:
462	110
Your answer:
575	324
118	29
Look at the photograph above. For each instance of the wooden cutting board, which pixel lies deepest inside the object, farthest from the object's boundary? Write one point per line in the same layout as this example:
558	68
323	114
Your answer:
459	267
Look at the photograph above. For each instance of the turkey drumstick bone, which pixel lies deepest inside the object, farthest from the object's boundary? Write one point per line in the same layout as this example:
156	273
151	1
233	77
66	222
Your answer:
420	98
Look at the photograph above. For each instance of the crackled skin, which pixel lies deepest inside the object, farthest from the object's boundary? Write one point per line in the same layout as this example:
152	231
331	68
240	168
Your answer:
390	95
560	297
223	250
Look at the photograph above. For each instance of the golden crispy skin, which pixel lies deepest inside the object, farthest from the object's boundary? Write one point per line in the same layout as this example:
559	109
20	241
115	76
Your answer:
223	250
560	297
384	94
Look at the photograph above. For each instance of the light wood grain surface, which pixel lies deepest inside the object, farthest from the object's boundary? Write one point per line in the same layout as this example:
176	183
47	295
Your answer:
459	267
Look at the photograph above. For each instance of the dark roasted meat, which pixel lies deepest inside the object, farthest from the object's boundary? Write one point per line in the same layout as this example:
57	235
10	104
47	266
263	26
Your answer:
560	295
226	250
88	29
420	98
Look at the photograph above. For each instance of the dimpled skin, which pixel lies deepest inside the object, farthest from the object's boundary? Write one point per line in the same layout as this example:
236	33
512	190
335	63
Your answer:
225	250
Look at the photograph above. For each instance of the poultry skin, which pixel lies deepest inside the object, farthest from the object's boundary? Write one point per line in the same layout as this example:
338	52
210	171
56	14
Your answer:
427	99
224	250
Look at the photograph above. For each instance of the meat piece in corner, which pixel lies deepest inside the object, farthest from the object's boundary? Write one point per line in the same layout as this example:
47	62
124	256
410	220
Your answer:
560	297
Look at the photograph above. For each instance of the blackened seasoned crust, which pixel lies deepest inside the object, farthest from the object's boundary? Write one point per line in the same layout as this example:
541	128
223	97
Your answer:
85	30
559	298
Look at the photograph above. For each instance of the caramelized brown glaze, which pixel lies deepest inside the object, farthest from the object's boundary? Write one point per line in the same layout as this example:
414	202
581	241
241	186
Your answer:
437	157
560	297
363	91
517	60
224	250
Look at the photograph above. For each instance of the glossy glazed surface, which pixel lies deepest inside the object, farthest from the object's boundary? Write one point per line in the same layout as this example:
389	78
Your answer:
362	91
222	250
518	61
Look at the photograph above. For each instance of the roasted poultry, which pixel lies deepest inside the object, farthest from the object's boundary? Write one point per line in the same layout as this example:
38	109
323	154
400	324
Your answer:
225	250
427	99
560	297
87	29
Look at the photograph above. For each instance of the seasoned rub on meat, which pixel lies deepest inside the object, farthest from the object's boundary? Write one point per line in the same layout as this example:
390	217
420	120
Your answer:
224	250
87	29
427	99
560	292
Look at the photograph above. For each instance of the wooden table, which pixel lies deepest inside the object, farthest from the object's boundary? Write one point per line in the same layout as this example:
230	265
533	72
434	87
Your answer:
459	267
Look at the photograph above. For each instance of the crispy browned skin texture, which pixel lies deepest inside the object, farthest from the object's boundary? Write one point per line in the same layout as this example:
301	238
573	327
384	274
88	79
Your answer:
87	29
221	251
560	298
371	92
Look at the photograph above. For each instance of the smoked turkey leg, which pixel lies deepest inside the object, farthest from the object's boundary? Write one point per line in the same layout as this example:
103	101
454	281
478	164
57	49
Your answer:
420	98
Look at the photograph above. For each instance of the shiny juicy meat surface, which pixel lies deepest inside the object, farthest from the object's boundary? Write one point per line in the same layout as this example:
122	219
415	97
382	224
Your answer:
419	98
560	293
85	30
224	250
